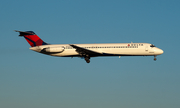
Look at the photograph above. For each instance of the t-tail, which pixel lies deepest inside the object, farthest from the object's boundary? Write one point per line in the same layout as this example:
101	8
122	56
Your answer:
32	38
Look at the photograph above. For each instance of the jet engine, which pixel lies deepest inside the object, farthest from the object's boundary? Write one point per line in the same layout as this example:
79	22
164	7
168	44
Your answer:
54	49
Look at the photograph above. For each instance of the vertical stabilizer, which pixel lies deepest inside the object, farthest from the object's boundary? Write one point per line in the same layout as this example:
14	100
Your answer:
32	38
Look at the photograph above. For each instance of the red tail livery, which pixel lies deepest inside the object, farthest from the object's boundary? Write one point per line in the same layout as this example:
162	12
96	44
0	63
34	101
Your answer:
32	38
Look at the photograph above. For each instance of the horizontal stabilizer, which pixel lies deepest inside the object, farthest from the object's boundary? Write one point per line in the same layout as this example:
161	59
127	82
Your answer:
25	33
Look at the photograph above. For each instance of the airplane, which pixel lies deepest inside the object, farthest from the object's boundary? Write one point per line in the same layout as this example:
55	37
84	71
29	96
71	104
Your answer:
87	51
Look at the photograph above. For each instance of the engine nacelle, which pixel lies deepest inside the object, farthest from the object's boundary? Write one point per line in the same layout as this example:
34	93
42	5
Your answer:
54	49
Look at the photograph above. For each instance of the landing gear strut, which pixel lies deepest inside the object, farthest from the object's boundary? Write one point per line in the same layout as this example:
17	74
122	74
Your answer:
87	59
155	58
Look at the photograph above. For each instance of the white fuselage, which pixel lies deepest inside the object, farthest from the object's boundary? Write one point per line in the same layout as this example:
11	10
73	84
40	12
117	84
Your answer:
112	49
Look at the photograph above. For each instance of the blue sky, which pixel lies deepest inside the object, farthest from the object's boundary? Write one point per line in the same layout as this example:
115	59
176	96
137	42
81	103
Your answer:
29	79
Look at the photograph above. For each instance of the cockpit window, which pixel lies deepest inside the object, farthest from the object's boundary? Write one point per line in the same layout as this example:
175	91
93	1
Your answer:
152	45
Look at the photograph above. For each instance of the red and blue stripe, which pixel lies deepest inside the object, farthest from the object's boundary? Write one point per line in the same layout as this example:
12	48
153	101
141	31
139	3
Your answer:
33	39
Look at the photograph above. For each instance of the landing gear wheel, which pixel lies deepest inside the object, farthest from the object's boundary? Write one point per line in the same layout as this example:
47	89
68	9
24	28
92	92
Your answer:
87	60
155	58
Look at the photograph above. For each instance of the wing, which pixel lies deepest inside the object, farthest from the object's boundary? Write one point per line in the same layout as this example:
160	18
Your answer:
84	51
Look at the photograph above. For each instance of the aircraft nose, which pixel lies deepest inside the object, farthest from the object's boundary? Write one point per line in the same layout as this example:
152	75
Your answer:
160	51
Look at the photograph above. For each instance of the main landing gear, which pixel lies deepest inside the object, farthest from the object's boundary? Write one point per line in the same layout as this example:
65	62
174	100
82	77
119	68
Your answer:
87	59
155	58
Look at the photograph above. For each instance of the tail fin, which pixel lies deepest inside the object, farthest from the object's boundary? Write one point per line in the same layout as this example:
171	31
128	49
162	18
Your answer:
32	38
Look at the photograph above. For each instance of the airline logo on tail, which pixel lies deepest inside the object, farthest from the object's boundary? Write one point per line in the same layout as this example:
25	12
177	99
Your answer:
32	38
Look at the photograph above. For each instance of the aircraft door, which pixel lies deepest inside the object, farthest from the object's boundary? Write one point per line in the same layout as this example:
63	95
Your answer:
146	48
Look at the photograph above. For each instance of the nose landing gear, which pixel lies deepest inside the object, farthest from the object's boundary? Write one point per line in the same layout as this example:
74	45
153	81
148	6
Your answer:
155	58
